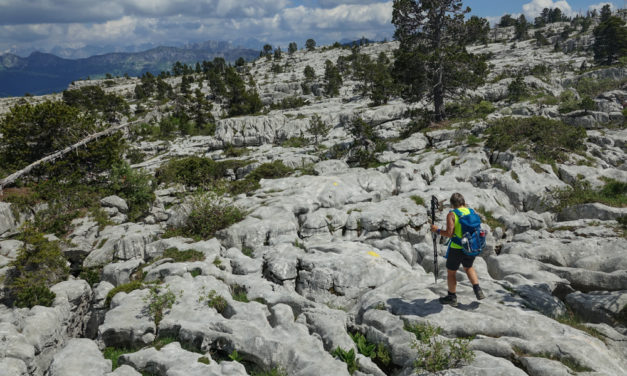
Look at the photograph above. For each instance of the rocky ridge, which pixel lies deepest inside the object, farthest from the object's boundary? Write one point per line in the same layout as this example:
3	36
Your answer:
347	250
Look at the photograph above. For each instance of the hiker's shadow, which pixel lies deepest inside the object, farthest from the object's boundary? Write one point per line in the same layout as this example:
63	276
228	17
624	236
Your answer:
423	307
418	307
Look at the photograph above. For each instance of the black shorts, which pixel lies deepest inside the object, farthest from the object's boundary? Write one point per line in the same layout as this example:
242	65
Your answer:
457	257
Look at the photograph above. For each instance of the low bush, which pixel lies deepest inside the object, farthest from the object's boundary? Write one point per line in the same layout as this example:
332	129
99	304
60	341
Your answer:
543	139
295	142
216	301
135	187
272	170
189	255
39	265
114	353
438	354
208	215
196	171
613	193
158	302
289	103
347	357
239	293
375	351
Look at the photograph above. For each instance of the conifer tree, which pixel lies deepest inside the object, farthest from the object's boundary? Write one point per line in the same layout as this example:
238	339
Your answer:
432	58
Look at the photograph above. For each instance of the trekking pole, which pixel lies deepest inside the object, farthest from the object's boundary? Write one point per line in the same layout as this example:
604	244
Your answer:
434	205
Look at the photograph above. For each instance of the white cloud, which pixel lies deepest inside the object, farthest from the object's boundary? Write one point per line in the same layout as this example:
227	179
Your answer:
535	7
44	24
600	5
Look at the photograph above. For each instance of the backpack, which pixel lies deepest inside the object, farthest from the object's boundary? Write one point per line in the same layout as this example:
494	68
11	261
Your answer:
473	237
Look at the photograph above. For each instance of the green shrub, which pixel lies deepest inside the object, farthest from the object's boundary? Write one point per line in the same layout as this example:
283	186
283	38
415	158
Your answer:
289	103
235	356
196	171
613	193
587	86
543	139
91	275
216	301
295	142
135	187
488	218
517	89
418	200
273	170
375	351
347	357
39	265
208	215
189	255
114	353
204	360
127	287
159	302
239	293
434	354
31	132
235	152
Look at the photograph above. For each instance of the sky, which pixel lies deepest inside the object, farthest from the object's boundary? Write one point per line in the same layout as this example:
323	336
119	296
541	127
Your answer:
65	25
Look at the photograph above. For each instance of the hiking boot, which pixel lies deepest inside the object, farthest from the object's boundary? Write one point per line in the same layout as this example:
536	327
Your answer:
449	299
479	293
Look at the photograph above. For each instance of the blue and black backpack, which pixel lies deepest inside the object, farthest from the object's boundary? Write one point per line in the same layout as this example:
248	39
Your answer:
473	237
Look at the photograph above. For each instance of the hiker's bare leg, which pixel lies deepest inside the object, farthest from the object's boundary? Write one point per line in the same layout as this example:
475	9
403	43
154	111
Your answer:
472	275
451	280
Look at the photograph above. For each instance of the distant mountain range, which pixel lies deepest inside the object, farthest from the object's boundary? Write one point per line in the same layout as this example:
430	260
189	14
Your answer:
43	73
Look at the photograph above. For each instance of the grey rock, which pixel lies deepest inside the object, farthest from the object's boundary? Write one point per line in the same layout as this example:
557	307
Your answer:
600	306
413	143
124	370
130	247
544	367
331	326
119	273
115	202
591	211
127	324
8	223
173	360
79	356
13	367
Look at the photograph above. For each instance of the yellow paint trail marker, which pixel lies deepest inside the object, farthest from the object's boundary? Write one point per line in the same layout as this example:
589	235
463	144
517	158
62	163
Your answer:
373	254
335	184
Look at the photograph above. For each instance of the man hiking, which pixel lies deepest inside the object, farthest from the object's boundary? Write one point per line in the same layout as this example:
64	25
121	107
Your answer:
454	255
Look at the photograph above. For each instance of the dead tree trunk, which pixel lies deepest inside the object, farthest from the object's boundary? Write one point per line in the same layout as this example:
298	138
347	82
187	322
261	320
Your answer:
60	154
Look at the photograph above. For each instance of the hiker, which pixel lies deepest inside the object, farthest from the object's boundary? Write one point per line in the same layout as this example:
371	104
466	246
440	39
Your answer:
454	254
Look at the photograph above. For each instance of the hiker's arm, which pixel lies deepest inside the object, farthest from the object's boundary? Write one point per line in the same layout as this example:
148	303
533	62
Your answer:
450	226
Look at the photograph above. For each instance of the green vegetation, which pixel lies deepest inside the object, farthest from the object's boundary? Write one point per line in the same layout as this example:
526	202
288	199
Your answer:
295	142
126	287
517	89
39	265
94	100
591	87
158	302
432	59
434	354
135	187
196	171
31	132
189	255
613	193
375	351
365	145
543	139
239	293
418	200
488	218
610	40
288	103
235	356
469	109
276	371
215	301
208	214
204	360
571	363
114	353
347	357
573	320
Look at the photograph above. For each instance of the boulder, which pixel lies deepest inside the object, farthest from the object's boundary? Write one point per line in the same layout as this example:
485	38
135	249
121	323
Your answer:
115	202
79	356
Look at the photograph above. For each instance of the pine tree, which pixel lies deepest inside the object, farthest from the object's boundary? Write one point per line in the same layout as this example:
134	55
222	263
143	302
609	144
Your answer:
310	44
432	58
610	42
292	47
